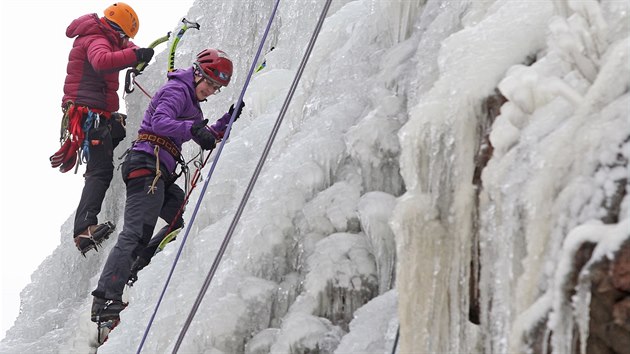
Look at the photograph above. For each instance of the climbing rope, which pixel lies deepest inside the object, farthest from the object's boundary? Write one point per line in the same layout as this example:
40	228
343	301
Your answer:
252	181
395	346
205	185
146	93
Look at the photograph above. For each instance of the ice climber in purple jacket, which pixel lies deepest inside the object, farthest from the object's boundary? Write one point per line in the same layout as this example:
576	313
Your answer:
173	117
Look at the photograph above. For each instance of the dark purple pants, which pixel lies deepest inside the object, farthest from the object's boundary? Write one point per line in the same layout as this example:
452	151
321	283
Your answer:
142	210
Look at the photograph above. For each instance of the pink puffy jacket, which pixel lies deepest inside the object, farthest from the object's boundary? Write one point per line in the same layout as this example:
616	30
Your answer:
96	58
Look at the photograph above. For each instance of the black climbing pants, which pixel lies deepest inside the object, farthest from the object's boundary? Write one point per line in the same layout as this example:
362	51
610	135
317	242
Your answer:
142	210
98	175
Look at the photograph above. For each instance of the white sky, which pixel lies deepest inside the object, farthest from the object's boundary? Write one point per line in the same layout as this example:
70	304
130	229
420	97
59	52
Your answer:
36	199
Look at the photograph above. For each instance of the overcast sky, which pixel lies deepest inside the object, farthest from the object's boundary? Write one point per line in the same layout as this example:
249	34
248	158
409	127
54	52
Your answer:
36	199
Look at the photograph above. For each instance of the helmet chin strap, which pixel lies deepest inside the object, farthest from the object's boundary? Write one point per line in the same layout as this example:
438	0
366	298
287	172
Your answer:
198	80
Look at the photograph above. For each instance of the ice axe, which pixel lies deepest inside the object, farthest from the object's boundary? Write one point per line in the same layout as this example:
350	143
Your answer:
133	72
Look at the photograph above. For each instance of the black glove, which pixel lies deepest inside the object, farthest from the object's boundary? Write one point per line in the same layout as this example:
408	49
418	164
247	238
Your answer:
117	126
205	139
144	55
120	118
238	112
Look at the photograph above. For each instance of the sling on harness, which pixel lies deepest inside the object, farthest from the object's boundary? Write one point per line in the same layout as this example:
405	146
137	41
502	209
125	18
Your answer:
74	135
166	144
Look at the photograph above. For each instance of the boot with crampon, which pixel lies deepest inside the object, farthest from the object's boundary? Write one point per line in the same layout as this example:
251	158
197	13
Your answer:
93	236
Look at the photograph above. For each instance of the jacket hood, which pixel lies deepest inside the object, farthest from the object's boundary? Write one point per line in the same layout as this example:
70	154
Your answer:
89	24
186	76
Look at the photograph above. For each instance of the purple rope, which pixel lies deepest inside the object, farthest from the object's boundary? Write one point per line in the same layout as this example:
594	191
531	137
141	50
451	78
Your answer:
252	181
205	185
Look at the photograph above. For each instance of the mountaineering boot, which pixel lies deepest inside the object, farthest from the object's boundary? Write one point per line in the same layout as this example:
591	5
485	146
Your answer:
104	328
93	236
106	314
104	310
137	266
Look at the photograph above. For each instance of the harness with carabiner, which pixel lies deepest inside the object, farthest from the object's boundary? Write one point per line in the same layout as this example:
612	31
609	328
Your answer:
74	134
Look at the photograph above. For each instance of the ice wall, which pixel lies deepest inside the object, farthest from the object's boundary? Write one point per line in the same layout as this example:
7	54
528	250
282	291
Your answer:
313	244
433	219
556	143
369	185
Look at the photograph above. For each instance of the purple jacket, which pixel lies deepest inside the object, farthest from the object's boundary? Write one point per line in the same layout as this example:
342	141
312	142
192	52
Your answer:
172	112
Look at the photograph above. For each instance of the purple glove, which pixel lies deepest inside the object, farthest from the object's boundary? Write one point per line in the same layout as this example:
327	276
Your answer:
219	127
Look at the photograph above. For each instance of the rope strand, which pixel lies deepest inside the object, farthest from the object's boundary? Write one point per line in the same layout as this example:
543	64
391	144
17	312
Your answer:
195	178
252	181
205	185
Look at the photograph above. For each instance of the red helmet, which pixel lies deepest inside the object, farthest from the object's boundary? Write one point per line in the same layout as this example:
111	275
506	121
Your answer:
215	65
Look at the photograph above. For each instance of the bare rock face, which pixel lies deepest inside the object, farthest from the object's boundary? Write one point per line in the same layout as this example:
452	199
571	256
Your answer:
621	313
609	314
609	326
610	305
620	272
490	109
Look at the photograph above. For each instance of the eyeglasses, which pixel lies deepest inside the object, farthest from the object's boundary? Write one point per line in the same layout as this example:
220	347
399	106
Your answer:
214	85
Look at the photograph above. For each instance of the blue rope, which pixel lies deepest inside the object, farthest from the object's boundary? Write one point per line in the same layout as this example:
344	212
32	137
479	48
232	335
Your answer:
205	185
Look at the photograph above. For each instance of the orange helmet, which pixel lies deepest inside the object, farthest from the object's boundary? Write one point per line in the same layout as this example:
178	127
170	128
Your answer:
215	65
124	16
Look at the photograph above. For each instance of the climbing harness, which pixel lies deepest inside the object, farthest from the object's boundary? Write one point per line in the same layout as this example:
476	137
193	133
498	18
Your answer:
163	142
205	185
252	181
73	136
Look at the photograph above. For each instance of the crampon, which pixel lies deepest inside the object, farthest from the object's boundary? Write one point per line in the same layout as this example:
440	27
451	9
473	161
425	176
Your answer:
96	234
104	328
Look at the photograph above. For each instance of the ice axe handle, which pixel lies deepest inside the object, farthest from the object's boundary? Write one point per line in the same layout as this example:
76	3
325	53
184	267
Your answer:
153	44
171	56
